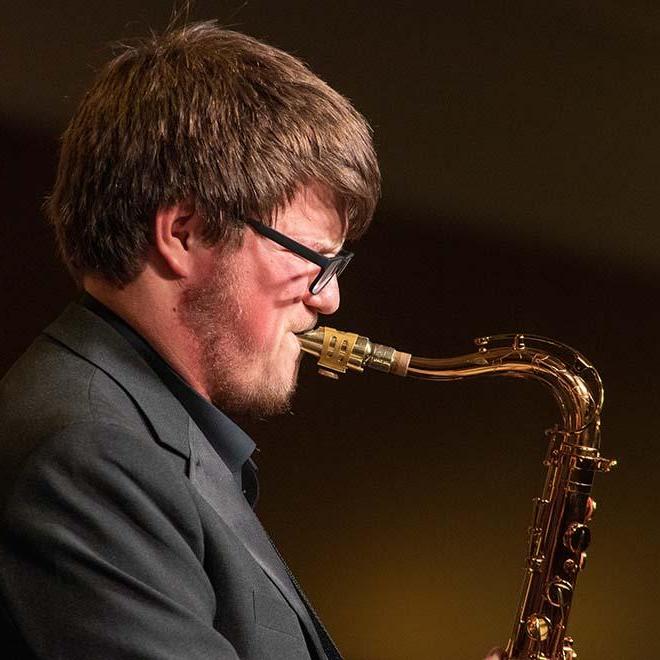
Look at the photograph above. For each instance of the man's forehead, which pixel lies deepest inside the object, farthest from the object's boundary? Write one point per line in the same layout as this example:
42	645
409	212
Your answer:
320	235
312	217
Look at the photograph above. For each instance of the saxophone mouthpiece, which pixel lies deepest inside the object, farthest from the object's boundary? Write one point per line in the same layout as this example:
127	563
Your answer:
339	352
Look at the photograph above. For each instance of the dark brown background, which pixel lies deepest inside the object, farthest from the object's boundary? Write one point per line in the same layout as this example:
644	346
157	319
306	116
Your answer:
519	144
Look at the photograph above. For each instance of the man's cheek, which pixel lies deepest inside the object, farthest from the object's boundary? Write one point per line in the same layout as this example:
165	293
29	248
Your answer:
266	327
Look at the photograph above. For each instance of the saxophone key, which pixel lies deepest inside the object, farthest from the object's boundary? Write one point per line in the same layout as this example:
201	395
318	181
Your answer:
591	509
583	560
558	592
568	652
577	537
538	627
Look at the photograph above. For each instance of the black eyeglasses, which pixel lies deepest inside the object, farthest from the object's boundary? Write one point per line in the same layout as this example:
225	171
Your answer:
330	266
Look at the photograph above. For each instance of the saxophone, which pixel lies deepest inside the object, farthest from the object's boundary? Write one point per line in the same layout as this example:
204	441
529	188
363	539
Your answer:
559	533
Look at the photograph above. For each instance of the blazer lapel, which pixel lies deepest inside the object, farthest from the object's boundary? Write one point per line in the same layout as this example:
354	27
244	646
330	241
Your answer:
89	336
216	484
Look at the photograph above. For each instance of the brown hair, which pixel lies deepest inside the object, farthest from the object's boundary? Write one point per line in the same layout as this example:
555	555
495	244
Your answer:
211	115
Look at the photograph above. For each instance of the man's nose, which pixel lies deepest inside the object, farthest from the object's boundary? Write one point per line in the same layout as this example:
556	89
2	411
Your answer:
326	301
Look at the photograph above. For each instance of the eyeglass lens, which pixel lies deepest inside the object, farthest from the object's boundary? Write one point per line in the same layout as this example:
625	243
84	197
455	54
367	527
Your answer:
326	275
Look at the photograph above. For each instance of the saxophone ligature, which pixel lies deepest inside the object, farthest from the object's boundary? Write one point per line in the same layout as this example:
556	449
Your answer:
559	533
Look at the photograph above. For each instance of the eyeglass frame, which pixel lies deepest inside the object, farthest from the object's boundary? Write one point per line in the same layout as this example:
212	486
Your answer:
342	258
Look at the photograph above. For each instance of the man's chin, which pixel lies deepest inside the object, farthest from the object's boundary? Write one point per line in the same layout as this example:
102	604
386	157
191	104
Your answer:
266	404
267	398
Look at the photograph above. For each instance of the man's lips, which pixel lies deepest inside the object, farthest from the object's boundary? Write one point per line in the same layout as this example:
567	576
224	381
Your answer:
306	329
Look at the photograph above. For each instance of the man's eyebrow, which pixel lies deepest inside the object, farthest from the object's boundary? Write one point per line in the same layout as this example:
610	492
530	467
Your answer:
324	246
321	245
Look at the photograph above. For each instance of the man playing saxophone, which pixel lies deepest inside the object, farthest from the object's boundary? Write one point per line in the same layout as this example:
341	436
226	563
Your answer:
206	186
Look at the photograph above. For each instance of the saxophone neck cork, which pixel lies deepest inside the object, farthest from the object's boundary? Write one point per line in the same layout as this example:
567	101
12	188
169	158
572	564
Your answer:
388	359
400	363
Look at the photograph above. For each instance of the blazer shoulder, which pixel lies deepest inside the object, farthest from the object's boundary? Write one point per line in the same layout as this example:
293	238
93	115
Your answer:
51	387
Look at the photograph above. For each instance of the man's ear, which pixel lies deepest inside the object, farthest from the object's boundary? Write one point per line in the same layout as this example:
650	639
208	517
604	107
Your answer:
177	236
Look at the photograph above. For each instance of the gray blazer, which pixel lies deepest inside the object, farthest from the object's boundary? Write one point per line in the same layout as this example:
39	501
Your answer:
123	534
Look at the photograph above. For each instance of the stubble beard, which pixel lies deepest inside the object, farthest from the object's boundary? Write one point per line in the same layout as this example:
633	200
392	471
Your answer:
233	368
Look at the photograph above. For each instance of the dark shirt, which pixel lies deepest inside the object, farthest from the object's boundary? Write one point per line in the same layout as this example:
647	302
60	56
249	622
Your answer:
230	442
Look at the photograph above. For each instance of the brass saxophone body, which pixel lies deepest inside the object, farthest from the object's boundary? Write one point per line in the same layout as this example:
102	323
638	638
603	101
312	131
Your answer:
559	533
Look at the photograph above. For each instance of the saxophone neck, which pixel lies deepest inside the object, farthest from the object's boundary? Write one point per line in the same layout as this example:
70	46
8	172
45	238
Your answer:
574	382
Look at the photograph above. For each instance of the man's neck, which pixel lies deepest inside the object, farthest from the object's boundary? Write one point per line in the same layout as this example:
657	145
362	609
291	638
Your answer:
151	309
